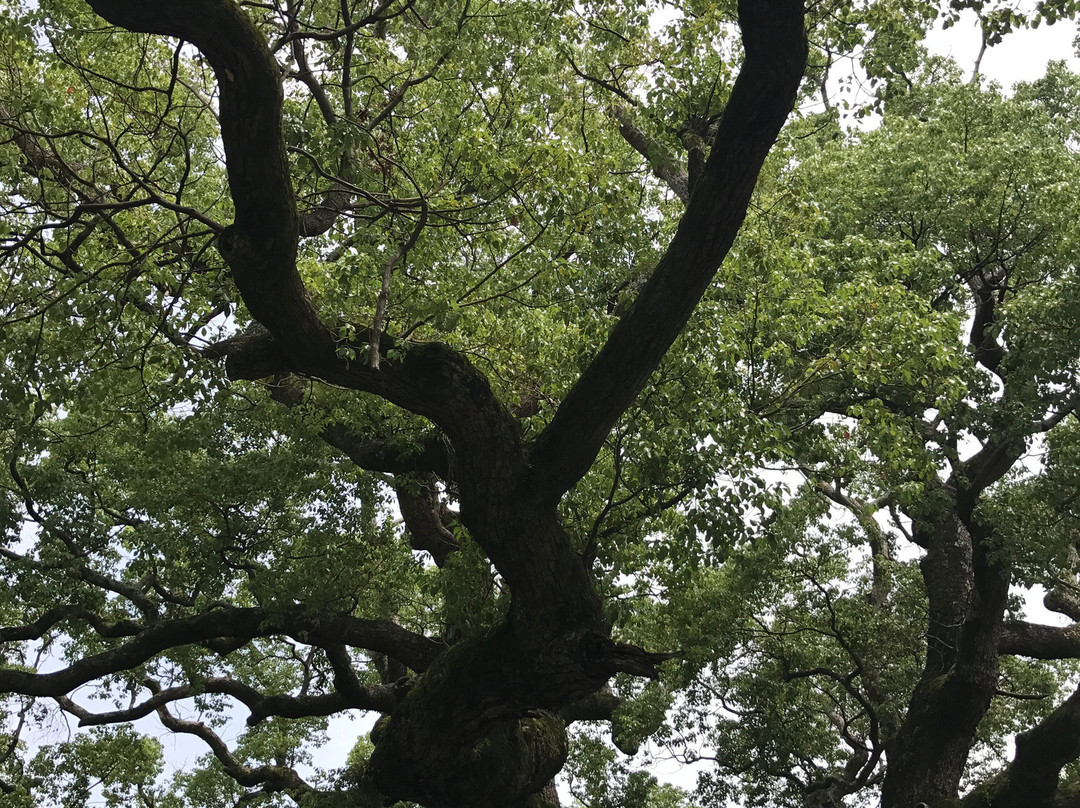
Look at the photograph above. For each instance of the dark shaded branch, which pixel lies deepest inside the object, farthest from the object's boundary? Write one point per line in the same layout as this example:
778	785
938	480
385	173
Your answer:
967	596
240	624
1031	779
429	379
1040	642
1067	408
38	628
251	354
626	658
775	43
428	454
1063	601
349	686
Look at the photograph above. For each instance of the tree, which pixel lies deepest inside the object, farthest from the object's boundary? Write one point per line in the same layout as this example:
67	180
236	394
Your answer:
276	273
931	344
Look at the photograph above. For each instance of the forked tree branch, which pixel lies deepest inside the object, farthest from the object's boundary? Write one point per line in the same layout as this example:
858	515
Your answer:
272	778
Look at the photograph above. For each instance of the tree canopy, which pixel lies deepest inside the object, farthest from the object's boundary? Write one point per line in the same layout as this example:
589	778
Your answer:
548	382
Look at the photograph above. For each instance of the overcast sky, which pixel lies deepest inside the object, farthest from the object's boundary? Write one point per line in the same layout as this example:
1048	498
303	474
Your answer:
1022	56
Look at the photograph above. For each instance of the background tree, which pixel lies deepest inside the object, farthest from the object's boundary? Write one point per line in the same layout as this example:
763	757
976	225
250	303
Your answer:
911	334
273	269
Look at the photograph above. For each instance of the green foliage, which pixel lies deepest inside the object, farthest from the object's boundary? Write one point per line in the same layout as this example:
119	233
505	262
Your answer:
597	779
844	316
116	760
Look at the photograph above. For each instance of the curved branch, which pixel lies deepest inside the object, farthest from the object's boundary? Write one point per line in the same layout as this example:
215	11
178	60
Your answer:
775	43
261	245
261	707
1063	600
241	624
275	778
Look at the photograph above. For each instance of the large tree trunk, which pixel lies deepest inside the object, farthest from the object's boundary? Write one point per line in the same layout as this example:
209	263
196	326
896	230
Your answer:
481	726
967	596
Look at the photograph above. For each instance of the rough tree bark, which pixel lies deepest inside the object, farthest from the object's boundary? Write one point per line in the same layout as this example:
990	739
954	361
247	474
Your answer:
966	602
967	592
480	727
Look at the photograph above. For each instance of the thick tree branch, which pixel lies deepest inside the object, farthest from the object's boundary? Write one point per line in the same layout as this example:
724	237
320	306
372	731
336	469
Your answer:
967	594
260	246
775	43
1040	642
879	541
1067	407
238	623
427	455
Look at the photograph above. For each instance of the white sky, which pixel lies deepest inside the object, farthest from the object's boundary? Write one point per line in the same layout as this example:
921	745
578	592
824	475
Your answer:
1022	55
